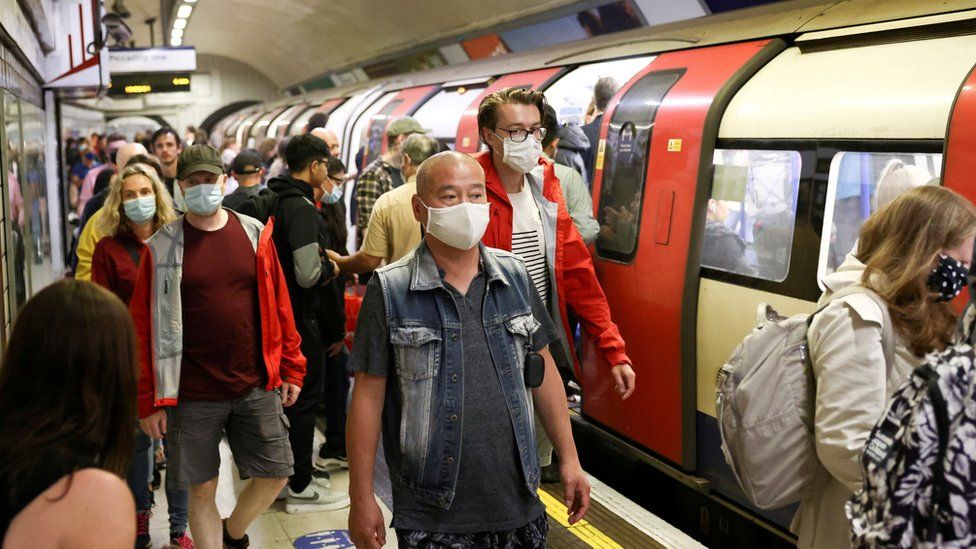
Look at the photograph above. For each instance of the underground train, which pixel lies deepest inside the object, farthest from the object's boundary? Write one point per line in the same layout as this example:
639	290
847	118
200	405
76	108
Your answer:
783	115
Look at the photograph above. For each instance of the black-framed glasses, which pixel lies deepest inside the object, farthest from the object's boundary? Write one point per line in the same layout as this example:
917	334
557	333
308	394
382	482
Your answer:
521	135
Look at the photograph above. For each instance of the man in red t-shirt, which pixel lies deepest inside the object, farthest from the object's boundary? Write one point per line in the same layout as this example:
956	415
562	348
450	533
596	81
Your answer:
219	351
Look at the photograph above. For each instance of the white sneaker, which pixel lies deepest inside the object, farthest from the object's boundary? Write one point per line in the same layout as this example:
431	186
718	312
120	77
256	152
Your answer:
315	498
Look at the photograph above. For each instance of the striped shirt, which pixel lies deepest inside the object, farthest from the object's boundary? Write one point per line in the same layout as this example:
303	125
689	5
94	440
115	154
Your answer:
528	240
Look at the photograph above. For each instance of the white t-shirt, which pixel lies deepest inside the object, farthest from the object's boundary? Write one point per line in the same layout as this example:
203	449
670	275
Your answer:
528	240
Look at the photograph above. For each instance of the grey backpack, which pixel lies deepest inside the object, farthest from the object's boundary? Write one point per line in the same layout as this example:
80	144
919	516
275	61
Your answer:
765	405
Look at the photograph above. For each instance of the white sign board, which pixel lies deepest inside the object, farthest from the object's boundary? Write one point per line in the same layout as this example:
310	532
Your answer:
140	60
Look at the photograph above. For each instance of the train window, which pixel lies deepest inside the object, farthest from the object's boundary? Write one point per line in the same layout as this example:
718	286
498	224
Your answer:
442	113
259	131
571	95
359	136
859	184
625	172
751	213
245	127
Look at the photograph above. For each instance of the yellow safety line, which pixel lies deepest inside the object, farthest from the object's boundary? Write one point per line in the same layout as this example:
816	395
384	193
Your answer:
585	531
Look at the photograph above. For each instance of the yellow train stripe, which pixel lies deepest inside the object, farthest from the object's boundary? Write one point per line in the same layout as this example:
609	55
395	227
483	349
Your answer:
583	530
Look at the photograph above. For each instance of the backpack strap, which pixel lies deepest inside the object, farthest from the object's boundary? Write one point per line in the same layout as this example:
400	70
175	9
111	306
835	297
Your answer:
887	328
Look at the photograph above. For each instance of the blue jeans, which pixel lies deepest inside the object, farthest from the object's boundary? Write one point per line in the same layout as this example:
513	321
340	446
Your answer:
140	475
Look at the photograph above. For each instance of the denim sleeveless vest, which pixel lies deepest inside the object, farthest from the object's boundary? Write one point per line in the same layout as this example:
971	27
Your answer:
425	333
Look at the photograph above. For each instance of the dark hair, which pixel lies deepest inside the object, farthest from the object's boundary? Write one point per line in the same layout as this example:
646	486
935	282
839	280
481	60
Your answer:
551	123
148	160
103	179
67	385
336	166
317	120
200	137
303	150
165	130
488	110
603	91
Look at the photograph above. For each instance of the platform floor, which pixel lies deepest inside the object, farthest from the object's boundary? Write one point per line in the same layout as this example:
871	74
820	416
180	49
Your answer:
612	522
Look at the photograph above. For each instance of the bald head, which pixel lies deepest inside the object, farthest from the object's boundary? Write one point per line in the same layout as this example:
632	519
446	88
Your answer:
127	151
330	138
448	179
444	168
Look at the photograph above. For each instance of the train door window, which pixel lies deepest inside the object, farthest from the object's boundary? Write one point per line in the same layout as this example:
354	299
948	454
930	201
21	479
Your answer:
751	213
359	136
239	119
861	183
442	113
338	119
570	96
245	127
625	172
259	131
377	130
279	126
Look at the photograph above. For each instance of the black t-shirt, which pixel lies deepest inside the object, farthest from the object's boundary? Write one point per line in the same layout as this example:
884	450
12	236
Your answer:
490	493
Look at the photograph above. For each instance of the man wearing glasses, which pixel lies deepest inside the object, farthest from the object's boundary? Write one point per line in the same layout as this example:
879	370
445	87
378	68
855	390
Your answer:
529	217
306	268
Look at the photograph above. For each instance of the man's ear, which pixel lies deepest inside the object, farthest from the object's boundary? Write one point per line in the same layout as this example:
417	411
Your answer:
419	210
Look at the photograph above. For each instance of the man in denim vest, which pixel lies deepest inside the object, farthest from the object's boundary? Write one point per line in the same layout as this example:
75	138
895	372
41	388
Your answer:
444	338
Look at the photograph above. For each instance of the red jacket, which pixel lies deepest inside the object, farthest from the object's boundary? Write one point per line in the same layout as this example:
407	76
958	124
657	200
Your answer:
576	285
150	308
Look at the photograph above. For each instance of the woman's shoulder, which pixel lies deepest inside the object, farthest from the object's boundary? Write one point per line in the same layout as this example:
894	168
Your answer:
861	305
90	503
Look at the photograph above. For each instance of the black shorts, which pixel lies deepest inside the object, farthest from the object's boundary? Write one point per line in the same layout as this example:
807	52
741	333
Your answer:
256	428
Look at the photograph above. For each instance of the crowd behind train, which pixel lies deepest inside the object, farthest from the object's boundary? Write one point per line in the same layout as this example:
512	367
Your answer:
219	310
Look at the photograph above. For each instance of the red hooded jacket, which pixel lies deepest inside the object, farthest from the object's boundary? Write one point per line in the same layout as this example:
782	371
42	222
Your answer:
576	285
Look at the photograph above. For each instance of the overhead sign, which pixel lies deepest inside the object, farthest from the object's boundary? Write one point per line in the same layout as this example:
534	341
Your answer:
76	61
145	60
139	84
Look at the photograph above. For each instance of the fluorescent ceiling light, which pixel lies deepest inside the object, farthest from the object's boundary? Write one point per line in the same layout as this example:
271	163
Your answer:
179	24
184	11
174	41
177	33
191	1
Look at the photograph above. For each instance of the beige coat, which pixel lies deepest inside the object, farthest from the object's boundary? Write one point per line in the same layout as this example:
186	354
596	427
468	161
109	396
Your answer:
853	387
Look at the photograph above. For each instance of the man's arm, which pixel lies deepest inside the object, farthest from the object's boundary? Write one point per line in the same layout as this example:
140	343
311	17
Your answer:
366	525
311	267
358	263
293	362
369	188
550	404
580	205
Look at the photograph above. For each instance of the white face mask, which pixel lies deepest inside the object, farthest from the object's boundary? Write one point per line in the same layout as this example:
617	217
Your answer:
460	226
521	157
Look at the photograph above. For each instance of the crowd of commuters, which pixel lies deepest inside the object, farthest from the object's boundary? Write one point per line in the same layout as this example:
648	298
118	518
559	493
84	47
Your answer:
233	263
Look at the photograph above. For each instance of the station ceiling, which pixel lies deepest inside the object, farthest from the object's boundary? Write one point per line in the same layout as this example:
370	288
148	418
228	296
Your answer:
293	40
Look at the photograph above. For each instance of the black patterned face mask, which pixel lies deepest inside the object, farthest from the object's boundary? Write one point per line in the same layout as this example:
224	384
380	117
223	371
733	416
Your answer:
948	278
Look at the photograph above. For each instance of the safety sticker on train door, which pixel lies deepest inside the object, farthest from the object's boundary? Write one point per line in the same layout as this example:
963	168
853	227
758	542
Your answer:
674	145
599	154
327	539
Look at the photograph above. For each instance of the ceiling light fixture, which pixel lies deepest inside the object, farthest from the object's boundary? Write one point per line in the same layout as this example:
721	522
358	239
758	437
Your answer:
179	24
174	41
184	11
177	33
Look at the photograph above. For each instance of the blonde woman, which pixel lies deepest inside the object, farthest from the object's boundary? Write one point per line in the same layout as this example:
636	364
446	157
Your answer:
915	254
136	206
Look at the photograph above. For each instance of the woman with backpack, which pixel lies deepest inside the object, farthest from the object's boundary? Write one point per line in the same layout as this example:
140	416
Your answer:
914	254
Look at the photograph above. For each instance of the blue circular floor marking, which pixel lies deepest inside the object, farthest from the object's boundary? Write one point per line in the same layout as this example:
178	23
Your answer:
331	539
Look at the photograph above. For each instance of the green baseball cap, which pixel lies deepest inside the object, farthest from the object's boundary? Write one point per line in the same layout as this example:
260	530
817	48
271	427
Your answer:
405	124
198	158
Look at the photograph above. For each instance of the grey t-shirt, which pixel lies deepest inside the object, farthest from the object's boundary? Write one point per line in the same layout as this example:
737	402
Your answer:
490	494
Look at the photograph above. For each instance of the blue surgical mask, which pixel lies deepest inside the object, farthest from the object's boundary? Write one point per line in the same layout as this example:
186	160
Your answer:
140	210
204	199
334	196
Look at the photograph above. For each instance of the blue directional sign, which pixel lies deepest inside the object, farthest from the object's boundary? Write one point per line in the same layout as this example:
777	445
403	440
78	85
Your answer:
328	539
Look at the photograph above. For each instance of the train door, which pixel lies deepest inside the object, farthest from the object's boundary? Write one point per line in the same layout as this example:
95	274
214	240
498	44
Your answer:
327	107
960	162
359	137
653	158
244	129
467	140
404	103
259	131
